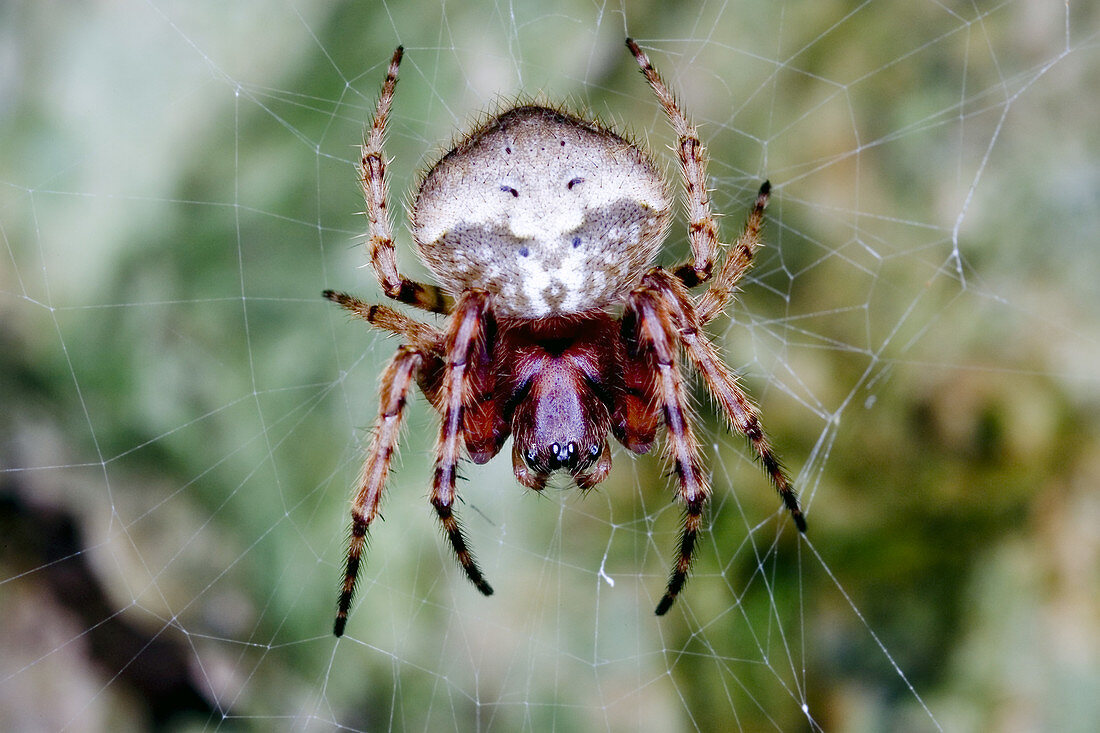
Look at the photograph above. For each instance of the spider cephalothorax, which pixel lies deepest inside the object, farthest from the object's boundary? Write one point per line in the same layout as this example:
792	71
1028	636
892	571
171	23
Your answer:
540	226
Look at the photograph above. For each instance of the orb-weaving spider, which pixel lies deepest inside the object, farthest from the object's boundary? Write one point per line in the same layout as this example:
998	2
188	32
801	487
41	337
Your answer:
537	224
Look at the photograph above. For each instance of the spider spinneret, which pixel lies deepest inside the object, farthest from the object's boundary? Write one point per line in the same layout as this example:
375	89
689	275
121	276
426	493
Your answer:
538	225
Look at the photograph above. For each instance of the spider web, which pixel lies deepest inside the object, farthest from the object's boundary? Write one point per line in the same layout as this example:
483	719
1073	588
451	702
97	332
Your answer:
183	415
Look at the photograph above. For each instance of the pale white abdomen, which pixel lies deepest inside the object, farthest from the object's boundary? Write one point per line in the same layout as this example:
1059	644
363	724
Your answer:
550	214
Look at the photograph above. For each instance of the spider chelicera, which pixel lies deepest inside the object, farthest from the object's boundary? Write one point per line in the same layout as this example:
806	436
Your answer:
539	225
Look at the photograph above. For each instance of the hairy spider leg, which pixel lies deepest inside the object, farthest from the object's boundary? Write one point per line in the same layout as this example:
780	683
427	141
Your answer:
396	380
466	351
653	334
713	300
421	335
722	384
372	168
702	229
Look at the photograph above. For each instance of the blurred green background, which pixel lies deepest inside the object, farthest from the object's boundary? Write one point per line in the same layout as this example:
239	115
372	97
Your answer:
181	415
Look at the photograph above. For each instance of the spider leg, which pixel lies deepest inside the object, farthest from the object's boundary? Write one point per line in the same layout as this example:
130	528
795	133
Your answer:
722	384
465	350
714	299
654	333
396	380
421	335
702	229
372	169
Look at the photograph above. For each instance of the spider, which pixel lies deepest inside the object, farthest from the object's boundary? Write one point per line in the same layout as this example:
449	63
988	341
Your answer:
539	226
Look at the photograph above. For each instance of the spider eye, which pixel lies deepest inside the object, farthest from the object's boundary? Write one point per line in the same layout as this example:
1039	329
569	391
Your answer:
594	450
562	456
574	182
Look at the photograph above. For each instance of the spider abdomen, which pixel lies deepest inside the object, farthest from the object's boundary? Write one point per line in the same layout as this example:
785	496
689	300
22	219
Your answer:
551	214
